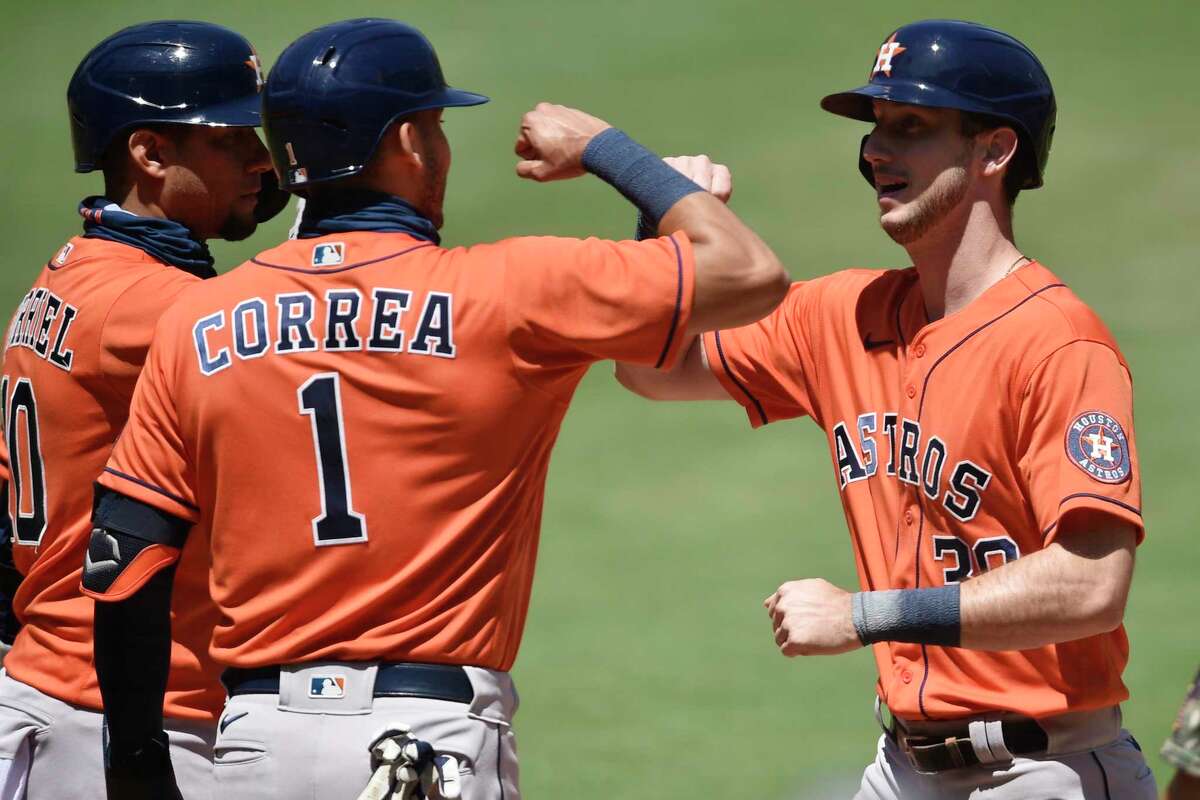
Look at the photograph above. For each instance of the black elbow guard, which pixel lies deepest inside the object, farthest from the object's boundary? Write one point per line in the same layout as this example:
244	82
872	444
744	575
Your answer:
130	543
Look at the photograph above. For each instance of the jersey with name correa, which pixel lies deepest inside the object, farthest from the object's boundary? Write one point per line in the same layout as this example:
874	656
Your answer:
73	353
957	446
361	425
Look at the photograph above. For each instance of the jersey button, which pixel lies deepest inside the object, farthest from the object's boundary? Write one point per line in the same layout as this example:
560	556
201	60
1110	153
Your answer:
920	351
911	391
908	518
906	676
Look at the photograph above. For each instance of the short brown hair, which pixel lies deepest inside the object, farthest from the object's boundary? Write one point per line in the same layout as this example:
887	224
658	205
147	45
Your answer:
115	161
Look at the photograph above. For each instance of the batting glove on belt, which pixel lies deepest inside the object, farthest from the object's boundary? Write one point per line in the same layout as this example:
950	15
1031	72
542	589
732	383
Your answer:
407	768
141	774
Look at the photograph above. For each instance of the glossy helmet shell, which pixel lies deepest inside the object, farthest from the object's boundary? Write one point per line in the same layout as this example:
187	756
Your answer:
191	73
335	90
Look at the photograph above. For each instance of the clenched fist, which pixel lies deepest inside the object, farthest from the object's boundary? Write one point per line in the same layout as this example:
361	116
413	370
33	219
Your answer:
552	140
812	617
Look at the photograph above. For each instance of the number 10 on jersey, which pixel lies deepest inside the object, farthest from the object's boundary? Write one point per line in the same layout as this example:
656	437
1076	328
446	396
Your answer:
320	400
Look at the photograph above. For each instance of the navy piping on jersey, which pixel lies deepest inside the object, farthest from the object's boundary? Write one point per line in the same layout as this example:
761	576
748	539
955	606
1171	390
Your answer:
1103	774
917	585
318	271
762	414
153	488
920	411
964	340
1106	499
678	304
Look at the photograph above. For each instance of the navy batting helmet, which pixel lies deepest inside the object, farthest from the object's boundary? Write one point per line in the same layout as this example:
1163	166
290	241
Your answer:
191	73
335	90
967	66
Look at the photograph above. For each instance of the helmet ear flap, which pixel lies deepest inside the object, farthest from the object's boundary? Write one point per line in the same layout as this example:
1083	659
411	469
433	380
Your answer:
863	166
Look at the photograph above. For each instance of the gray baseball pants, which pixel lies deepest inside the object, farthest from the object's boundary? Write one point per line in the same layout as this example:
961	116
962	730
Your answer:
1090	757
51	750
315	745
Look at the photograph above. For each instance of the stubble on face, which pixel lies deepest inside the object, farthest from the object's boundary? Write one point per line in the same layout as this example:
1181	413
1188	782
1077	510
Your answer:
237	226
437	168
931	207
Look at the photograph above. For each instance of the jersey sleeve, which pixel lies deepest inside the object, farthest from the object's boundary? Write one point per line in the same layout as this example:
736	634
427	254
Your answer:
768	367
1075	438
150	462
130	323
583	300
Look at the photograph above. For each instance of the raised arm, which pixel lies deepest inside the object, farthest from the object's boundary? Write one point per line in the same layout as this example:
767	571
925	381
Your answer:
691	378
738	279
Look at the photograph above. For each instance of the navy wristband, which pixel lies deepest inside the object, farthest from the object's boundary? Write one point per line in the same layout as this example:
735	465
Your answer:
645	230
917	616
637	173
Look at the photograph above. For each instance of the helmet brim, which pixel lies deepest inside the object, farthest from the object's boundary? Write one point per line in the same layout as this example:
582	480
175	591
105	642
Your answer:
856	103
459	98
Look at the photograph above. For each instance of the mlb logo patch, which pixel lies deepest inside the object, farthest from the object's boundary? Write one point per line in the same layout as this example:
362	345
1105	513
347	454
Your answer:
328	254
298	175
64	254
1096	443
331	687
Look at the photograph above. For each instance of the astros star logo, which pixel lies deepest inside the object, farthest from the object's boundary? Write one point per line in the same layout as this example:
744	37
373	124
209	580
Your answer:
887	51
1102	446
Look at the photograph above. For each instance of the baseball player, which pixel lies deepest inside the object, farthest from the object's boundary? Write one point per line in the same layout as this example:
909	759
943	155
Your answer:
979	419
1182	748
357	425
166	110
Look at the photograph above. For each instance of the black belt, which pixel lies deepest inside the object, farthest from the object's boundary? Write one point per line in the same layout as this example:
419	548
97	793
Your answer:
430	681
953	749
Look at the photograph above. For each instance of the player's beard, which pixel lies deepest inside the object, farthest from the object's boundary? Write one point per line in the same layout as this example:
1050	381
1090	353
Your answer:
930	208
235	228
433	192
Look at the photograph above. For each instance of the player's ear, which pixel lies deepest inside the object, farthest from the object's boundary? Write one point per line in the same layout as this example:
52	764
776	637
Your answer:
148	151
410	142
1000	146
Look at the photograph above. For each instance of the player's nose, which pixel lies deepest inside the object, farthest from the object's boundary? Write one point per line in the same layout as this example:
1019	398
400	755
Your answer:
874	151
260	158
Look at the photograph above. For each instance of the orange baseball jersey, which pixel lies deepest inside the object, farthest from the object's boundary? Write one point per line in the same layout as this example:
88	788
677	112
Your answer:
361	424
957	446
73	352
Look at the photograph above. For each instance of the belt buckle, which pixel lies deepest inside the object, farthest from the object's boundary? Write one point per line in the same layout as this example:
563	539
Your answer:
920	751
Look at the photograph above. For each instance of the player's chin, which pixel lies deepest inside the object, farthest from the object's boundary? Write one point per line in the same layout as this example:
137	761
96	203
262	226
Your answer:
899	225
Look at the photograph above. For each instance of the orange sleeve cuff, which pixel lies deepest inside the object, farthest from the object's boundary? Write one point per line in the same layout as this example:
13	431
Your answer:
677	336
719	366
144	566
1101	503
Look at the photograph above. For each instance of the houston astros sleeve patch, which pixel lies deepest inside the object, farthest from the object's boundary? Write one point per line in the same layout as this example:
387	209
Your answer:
1096	443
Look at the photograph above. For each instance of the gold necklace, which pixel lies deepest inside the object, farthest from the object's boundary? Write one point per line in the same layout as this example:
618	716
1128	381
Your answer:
1015	263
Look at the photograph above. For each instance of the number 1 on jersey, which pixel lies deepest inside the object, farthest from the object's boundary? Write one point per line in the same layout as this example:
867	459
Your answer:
321	401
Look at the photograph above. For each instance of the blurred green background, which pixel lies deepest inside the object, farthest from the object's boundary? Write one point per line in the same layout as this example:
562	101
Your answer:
648	667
